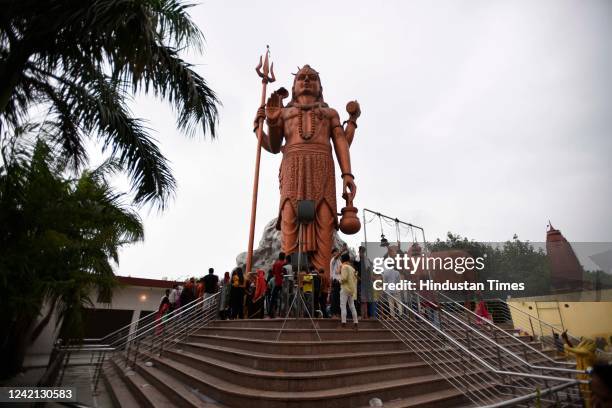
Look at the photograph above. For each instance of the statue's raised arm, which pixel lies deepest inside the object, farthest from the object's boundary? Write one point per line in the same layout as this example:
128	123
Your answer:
272	113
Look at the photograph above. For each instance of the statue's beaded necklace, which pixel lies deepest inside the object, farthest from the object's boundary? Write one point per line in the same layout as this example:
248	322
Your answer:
309	134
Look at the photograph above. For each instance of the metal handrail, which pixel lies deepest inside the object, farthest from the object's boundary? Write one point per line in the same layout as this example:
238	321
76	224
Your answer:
462	347
153	323
171	322
86	348
454	366
529	397
447	360
134	323
494	343
176	316
521	376
170	316
185	330
505	333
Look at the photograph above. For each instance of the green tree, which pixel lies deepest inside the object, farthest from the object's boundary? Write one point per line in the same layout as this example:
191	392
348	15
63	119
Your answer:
511	261
455	241
78	62
59	238
519	261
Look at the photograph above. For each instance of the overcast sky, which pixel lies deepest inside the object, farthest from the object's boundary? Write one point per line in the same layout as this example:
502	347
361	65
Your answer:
484	118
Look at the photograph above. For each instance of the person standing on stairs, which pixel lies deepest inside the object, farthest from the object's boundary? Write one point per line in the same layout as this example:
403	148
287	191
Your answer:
348	289
163	308
391	276
174	297
305	285
334	292
237	294
278	272
211	283
321	283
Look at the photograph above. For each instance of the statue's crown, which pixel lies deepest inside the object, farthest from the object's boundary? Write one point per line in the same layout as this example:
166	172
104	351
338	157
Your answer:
306	69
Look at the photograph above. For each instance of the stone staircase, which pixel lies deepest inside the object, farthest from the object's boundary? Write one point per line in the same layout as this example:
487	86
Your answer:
240	363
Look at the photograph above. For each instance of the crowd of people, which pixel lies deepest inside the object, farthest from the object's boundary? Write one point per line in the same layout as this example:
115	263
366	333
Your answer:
285	291
299	291
346	293
191	290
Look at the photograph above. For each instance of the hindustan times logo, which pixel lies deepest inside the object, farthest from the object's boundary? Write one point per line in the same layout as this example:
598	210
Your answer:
404	262
491	284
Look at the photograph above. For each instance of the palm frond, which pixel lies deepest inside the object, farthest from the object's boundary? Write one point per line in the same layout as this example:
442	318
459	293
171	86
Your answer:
83	58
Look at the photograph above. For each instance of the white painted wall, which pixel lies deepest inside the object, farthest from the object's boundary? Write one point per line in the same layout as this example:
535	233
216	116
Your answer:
135	298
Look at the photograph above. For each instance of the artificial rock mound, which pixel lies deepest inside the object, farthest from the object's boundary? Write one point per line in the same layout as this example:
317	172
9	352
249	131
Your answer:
269	247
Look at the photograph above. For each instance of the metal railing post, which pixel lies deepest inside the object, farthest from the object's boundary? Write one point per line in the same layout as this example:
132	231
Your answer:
499	358
127	354
65	365
161	343
98	372
136	352
533	335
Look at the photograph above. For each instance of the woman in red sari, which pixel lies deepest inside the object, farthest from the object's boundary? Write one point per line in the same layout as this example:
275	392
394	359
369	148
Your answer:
164	307
482	312
258	297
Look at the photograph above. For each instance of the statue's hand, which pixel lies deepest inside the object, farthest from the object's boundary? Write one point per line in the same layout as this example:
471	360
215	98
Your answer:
274	107
353	109
349	189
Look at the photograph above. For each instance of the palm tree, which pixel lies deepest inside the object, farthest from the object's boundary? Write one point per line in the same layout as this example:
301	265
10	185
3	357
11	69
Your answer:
78	62
59	238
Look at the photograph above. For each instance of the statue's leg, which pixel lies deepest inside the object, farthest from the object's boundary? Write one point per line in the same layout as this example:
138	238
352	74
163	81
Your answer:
289	228
324	237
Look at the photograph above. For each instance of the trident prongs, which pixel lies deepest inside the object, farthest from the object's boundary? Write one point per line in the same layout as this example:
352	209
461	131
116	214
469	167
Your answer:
267	69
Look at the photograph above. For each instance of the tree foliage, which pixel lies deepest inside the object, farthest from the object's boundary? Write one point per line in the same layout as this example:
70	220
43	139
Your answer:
77	62
59	239
510	261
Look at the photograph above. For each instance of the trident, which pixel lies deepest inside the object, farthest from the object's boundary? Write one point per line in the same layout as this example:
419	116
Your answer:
265	79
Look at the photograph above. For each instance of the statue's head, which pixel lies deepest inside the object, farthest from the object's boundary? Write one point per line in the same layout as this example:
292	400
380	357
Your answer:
307	82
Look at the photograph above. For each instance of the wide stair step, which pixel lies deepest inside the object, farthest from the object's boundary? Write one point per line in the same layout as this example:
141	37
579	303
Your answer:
299	362
269	333
298	381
